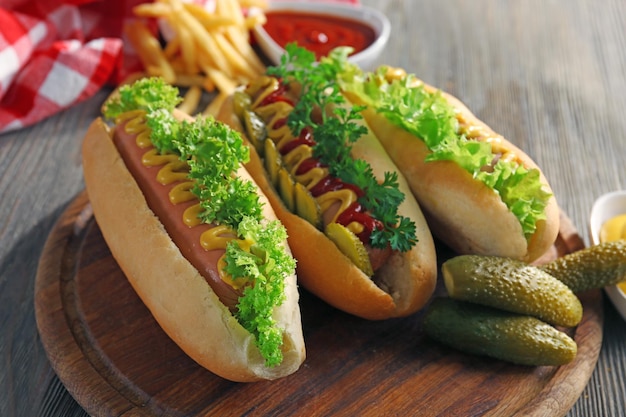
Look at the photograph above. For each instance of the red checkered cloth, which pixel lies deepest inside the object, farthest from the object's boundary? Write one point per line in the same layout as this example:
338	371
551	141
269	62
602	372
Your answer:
54	54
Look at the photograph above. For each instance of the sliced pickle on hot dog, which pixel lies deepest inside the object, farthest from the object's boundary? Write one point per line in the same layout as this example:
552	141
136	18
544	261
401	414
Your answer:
255	128
241	102
307	207
286	186
351	246
272	160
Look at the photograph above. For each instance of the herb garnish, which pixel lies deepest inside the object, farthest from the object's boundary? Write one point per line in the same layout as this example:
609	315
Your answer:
334	137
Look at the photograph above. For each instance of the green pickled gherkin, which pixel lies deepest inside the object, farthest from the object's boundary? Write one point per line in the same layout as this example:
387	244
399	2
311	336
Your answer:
498	334
594	267
307	207
286	189
351	246
241	102
272	162
255	130
511	285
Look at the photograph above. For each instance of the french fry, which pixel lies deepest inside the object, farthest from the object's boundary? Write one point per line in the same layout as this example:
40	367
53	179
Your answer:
241	38
188	50
153	10
243	46
204	50
208	84
205	40
238	62
149	51
223	82
186	80
254	20
191	99
261	4
214	106
172	48
209	20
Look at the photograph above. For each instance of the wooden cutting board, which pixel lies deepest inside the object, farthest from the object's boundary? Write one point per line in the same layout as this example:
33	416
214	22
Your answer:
116	361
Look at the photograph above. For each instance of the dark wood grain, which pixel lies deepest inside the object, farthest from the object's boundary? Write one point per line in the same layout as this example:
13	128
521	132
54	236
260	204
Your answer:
549	75
113	357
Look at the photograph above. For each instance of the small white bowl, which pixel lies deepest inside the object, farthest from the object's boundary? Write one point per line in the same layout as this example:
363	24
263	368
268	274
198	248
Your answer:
608	206
365	59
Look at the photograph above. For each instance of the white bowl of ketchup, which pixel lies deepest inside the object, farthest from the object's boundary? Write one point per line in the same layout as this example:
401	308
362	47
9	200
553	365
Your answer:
322	26
608	222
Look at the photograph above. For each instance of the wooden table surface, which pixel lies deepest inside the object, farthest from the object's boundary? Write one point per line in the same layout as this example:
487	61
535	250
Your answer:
549	75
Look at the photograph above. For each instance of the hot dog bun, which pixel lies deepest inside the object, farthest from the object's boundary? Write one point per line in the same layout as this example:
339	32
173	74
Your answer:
176	294
461	211
401	287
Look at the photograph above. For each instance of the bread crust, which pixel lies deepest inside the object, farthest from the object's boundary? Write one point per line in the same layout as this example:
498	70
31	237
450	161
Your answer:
178	297
462	212
400	288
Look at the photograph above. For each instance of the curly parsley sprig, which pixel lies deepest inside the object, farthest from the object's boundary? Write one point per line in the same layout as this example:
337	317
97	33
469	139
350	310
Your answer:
334	137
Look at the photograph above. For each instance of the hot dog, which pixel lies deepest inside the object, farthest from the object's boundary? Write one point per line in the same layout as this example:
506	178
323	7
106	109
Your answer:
480	193
359	236
194	235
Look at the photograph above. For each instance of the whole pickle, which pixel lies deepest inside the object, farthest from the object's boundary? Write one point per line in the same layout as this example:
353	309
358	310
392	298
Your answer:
593	267
511	285
486	331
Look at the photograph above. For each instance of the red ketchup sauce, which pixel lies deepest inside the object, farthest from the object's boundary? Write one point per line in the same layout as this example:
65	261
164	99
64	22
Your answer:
319	33
355	212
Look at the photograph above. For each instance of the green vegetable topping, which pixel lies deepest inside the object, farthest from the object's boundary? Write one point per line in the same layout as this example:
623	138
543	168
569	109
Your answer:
266	264
334	137
145	94
214	153
430	117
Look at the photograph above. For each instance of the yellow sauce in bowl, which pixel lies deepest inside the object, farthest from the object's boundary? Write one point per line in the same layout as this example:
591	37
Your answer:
615	229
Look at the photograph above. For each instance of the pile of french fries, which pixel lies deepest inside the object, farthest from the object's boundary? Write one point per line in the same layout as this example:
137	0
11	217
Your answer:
204	50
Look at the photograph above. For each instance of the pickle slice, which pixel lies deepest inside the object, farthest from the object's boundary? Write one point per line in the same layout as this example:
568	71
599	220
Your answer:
594	267
307	207
286	186
272	161
351	246
511	337
241	102
511	285
255	129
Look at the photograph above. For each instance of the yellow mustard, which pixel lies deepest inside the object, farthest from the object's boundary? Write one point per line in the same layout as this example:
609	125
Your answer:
275	114
312	177
218	238
345	197
136	124
294	158
174	170
614	229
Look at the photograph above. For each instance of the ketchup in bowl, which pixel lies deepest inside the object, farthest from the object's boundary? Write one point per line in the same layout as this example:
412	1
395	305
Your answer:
318	32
